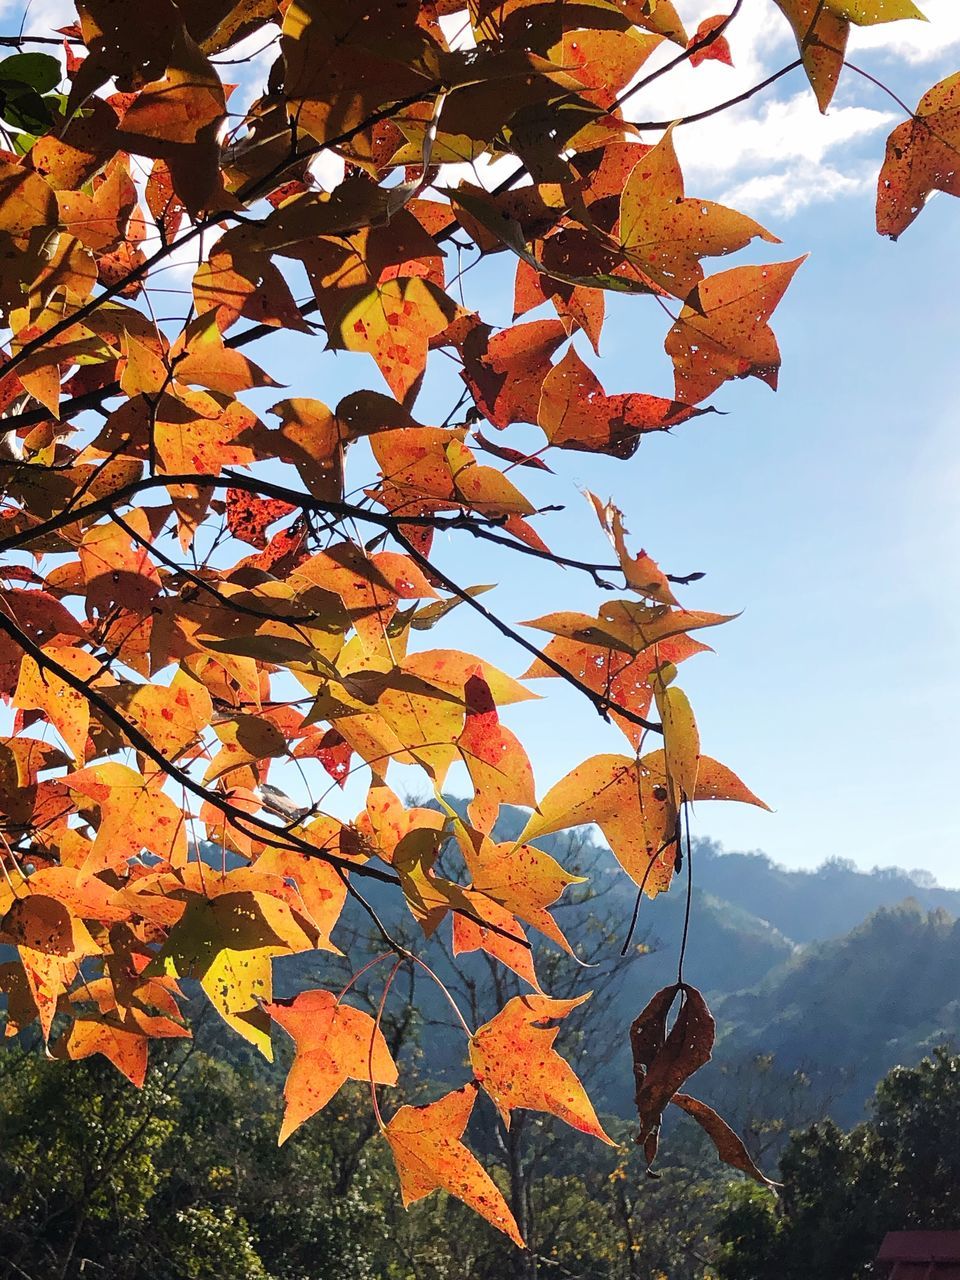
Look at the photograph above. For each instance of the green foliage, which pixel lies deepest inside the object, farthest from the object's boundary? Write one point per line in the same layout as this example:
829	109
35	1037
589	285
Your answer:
844	1190
180	1180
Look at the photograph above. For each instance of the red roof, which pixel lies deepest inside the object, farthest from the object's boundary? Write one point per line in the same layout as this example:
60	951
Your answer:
921	1255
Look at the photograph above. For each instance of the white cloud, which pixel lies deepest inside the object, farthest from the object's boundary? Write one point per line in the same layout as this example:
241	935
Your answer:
777	151
788	191
789	129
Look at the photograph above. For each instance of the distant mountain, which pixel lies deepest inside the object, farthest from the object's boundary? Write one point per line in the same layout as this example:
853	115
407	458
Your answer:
846	1011
809	906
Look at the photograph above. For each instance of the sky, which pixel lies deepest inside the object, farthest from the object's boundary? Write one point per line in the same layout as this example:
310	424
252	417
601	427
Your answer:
827	513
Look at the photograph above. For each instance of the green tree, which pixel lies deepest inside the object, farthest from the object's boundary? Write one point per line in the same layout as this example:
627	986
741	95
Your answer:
182	1180
842	1191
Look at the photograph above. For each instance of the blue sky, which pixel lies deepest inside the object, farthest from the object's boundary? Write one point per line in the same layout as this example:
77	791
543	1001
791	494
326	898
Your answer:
827	512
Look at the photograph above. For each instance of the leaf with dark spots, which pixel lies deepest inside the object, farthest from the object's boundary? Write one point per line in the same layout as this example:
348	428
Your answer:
249	517
506	371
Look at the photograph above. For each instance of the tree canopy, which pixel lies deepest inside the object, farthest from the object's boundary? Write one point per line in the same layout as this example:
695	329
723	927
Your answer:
843	1191
207	605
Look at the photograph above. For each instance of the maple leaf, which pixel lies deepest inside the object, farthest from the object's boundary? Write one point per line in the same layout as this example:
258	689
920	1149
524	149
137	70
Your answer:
394	322
631	802
513	1059
505	371
429	1156
134	815
823	28
497	763
320	887
335	1043
522	879
664	235
491	928
722	330
124	1042
227	942
575	412
718	48
923	156
65	707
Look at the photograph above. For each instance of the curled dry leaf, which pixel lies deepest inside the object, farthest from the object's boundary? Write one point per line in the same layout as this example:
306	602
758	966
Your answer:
730	1147
663	1060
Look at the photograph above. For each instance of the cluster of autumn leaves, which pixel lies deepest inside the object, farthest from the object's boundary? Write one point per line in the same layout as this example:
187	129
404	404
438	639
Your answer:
191	593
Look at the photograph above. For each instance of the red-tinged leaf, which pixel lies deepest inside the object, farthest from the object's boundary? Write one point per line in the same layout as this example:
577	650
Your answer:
577	306
394	322
429	1156
99	221
664	235
334	753
511	950
514	456
172	716
126	1049
513	1059
729	1146
162	201
921	157
124	1043
135	814
335	1043
369	586
522	879
43	618
625	680
319	887
661	1063
42	924
118	568
718	48
576	413
177	107
497	763
249	517
604	62
505	371
723	332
